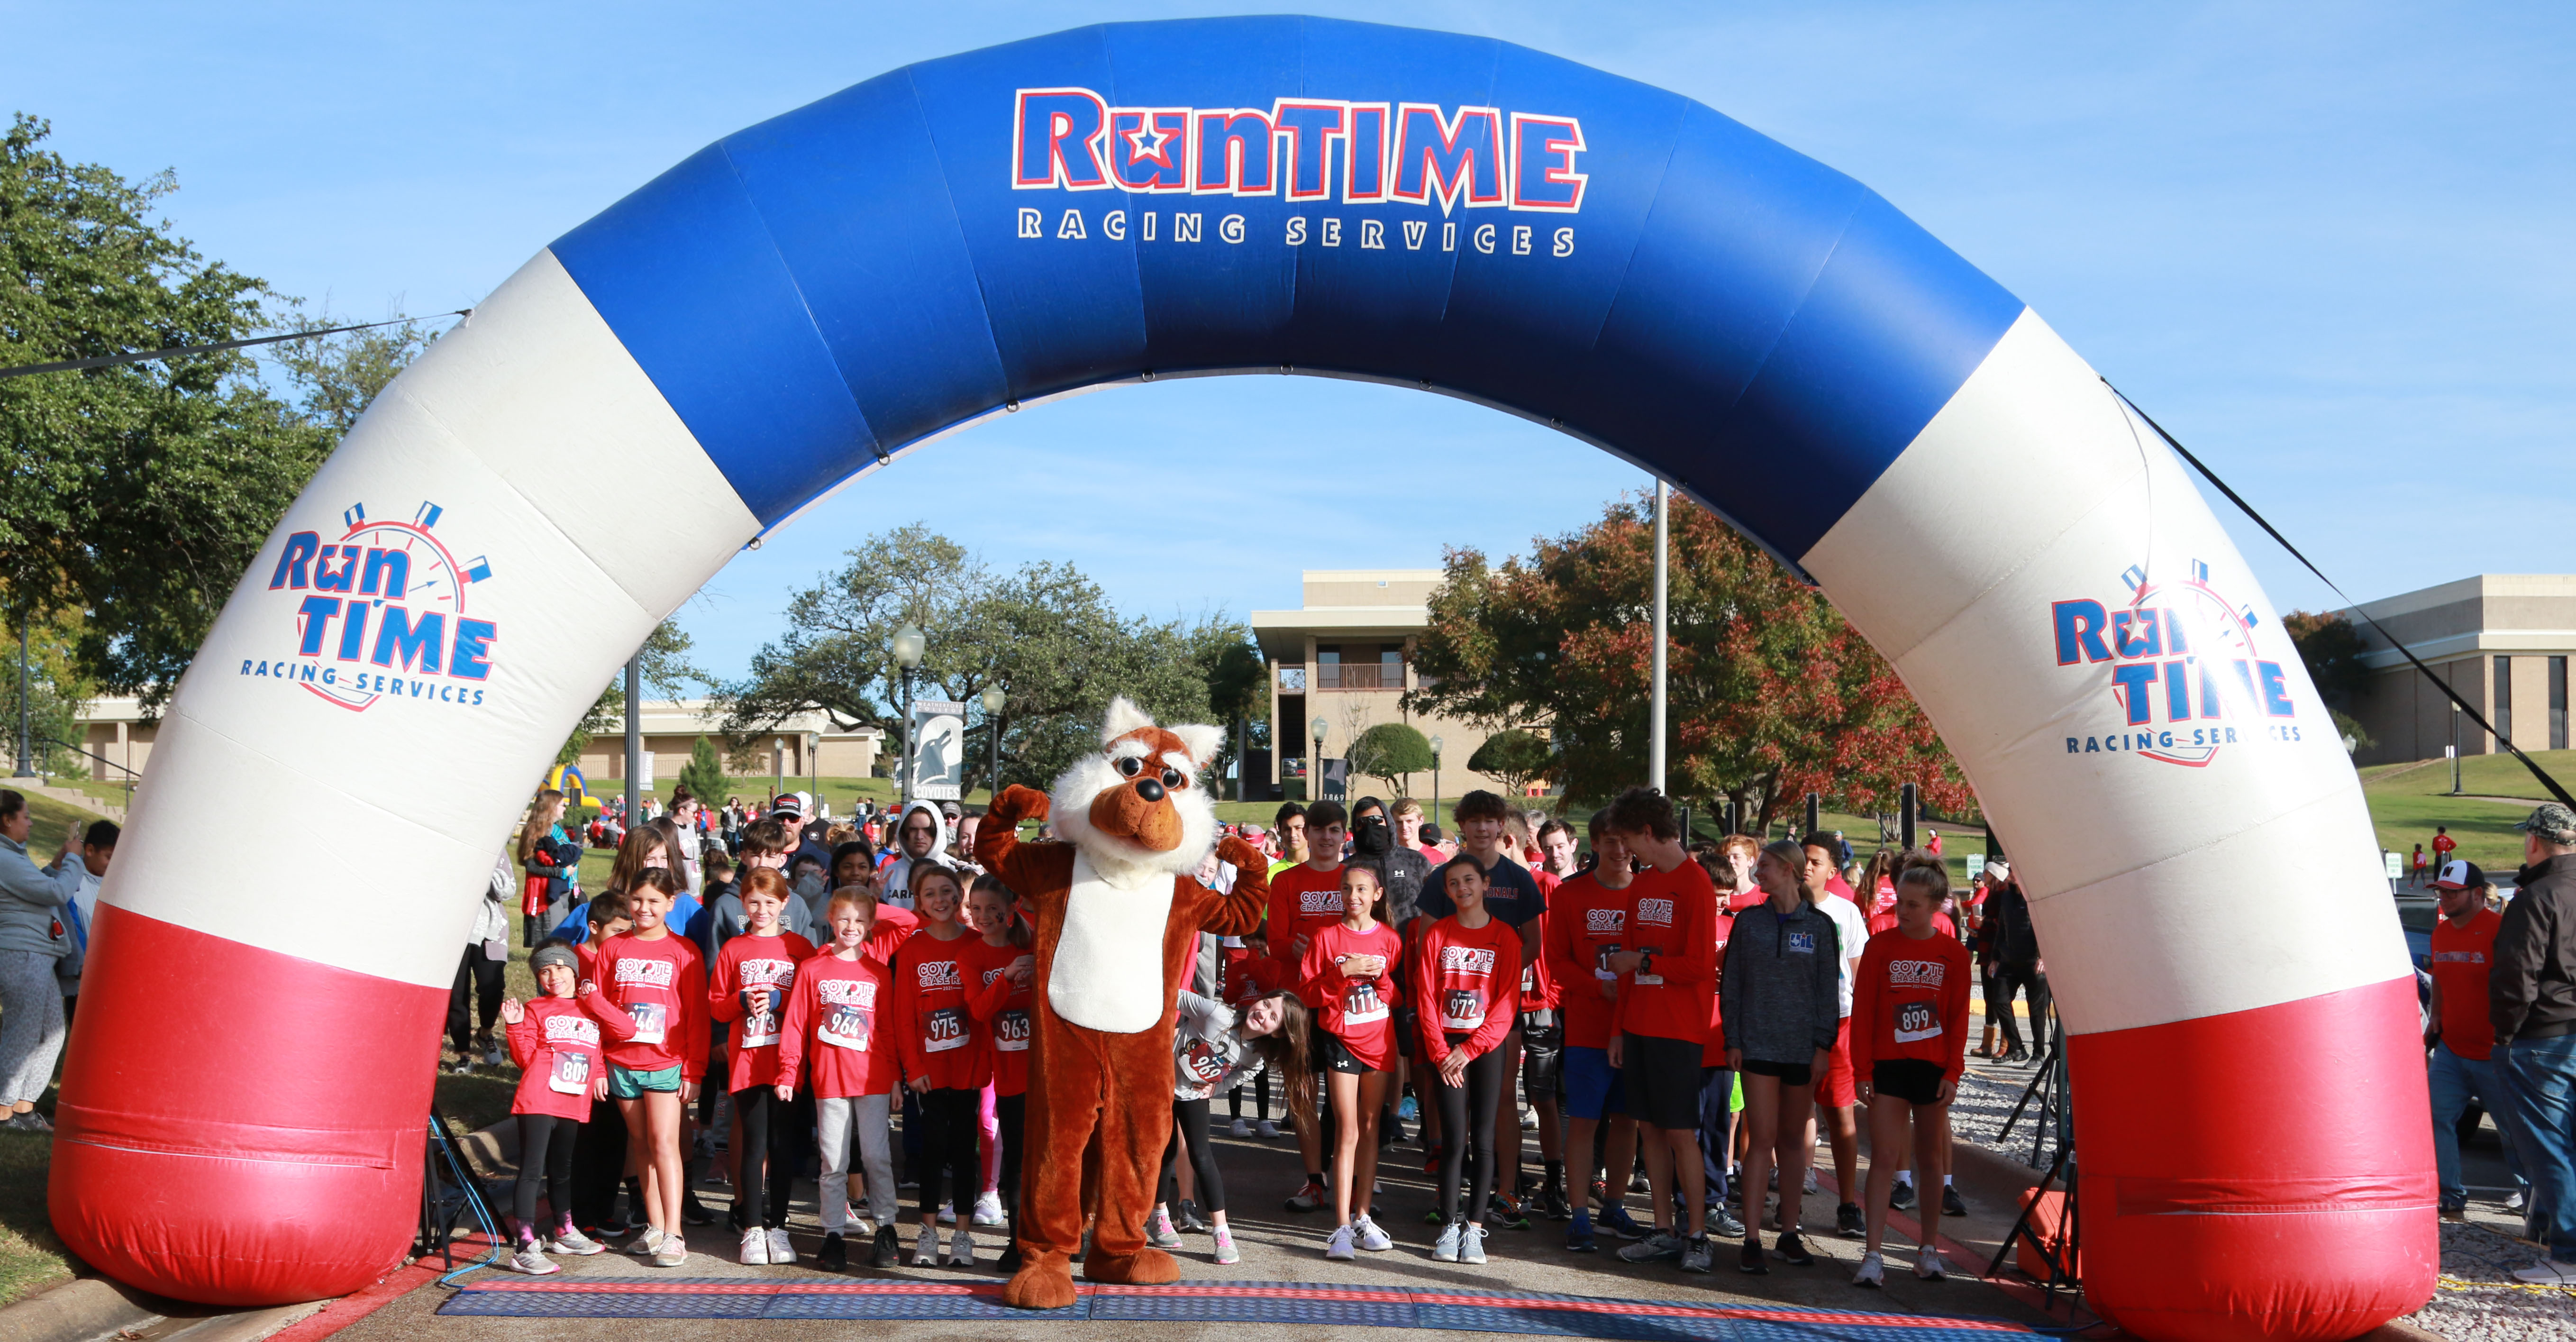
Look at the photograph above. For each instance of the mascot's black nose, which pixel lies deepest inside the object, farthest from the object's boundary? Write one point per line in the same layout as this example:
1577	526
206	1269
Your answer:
1149	789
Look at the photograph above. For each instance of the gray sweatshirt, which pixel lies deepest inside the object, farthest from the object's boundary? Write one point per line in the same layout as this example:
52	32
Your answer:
30	900
1781	990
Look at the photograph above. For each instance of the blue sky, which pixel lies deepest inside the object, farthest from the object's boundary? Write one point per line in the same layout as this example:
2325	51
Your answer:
2328	245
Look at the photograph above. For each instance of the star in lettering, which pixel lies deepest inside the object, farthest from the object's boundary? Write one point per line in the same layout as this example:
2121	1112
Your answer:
1146	144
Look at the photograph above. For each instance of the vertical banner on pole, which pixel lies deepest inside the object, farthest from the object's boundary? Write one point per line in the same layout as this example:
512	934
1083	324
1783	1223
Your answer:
939	760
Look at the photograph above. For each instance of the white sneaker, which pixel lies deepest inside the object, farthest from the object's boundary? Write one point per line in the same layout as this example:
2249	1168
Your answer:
647	1244
1242	1128
1446	1250
576	1243
1338	1248
860	1222
1811	1179
925	1248
2513	1202
782	1250
961	1248
1529	1120
988	1208
672	1253
2548	1272
1471	1244
1366	1232
755	1246
1268	1130
948	1213
1873	1272
1930	1265
529	1260
1376	1187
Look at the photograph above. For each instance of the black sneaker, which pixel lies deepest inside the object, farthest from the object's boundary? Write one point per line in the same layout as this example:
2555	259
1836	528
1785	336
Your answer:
834	1255
1189	1222
1848	1221
2016	1056
697	1213
1902	1197
1950	1203
1750	1259
889	1252
1792	1251
1550	1202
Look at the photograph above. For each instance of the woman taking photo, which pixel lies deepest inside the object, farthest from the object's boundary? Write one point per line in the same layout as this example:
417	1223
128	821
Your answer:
1780	999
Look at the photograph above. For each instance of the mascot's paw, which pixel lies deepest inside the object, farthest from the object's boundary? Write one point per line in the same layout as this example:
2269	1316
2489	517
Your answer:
1019	803
1045	1283
1145	1267
1234	852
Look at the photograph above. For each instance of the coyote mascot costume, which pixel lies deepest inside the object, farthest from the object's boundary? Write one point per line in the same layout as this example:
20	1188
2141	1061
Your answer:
1118	920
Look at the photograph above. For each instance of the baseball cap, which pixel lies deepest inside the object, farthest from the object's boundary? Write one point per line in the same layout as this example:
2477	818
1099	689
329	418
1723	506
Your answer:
2552	822
2461	874
792	803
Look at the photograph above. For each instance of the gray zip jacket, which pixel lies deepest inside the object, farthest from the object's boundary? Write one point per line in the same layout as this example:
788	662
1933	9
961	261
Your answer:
1781	990
30	899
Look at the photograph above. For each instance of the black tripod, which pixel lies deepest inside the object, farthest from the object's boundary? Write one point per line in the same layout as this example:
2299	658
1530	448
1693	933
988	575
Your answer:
2048	1086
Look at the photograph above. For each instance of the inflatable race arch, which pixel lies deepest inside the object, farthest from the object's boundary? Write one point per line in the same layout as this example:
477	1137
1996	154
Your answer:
788	309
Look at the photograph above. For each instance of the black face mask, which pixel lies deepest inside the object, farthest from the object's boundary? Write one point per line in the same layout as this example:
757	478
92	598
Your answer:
1372	838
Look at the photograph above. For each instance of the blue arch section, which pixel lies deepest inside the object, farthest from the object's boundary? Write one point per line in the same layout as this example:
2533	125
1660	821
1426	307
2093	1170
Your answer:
860	273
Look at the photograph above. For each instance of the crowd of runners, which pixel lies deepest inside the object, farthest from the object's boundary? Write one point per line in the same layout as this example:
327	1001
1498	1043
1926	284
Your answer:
753	993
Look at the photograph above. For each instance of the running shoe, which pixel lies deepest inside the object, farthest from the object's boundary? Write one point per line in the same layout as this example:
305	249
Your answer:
755	1247
1873	1271
1266	1130
835	1254
1226	1253
1951	1205
2547	1272
1810	1185
571	1241
2513	1202
647	1244
1550	1202
696	1213
1471	1243
1434	1218
1312	1197
1431	1164
672	1253
1600	1193
1338	1248
925	1247
988	1209
1848	1222
889	1248
1618	1222
1723	1225
1242	1128
1445	1249
1159	1232
1408	1109
1366	1233
947	1214
1902	1196
1661	1244
1638	1183
2016	1056
1793	1250
2455	1211
1750	1258
782	1250
1578	1237
961	1248
1502	1209
1695	1254
1189	1222
531	1260
1930	1265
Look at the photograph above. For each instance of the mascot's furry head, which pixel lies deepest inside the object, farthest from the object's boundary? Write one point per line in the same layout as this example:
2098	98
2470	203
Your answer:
1139	806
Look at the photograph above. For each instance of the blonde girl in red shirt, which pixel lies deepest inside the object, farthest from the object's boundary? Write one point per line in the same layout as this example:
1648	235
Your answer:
1003	967
1348	971
1909	1041
748	989
945	1058
831	1042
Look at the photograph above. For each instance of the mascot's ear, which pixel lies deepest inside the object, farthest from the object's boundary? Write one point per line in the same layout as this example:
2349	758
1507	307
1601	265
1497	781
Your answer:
1201	741
1124	717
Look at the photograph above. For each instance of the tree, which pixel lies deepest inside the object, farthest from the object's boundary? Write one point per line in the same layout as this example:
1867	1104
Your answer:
1389	751
704	774
1771	693
2332	648
666	671
1511	757
57	695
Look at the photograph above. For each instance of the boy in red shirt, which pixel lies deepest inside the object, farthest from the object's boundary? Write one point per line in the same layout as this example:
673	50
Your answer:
656	978
1465	997
1348	975
1304	900
1909	1040
2462	1040
1587	921
1667	973
555	1041
831	1041
945	1058
752	977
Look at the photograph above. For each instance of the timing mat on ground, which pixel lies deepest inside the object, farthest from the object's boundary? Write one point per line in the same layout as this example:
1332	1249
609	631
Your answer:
1211	1302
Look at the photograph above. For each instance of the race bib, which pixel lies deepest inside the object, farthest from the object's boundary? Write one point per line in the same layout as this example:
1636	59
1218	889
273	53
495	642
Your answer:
943	1029
1011	1032
1916	1020
571	1075
1462	1009
1601	962
847	1026
1361	1004
650	1021
760	1022
1201	1066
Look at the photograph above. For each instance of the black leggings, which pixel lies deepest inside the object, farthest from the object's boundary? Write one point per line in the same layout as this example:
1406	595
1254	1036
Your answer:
1190	1125
1011	1112
1461	1106
768	1129
951	1123
1260	1089
476	995
545	1152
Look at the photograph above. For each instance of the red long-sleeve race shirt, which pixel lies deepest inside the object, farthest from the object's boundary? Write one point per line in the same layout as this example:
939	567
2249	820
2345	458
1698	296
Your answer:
1359	1012
1302	900
1910	1000
932	1019
1671	917
662	984
1463	984
761	969
557	1048
1001	1009
1587	923
830	1035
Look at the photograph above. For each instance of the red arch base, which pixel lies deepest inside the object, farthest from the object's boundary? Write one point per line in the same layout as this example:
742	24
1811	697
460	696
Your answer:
2295	1137
304	1113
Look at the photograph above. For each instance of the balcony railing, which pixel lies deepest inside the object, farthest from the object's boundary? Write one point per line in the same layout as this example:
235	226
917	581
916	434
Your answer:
1359	676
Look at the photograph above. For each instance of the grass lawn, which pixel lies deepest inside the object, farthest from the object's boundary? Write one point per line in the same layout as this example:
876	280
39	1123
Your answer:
31	1259
2407	801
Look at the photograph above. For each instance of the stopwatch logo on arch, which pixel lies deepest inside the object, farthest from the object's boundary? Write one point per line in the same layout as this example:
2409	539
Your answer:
382	610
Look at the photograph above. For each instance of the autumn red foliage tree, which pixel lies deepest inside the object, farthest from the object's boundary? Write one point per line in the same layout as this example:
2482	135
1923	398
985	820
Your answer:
1772	694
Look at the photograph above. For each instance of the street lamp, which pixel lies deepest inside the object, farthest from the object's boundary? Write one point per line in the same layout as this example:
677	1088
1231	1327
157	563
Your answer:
995	699
1315	766
1435	779
909	643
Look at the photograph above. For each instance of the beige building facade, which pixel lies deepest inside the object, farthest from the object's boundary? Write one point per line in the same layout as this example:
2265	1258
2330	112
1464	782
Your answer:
2500	640
1346	657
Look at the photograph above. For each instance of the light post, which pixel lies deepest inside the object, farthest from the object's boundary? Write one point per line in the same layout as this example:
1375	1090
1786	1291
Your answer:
909	643
995	700
1315	766
1436	743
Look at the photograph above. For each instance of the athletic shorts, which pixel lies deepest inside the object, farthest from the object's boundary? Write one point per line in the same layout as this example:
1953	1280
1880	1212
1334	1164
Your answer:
1834	1090
1787	1073
1909	1079
1406	1022
1542	1063
627	1084
1332	1055
1593	1088
1663	1081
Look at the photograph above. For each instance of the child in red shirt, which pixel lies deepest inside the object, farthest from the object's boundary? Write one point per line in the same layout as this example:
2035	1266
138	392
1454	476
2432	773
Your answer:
830	1040
657	978
555	1041
752	977
1304	900
945	1059
1466	997
1347	973
1001	968
1909	1044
